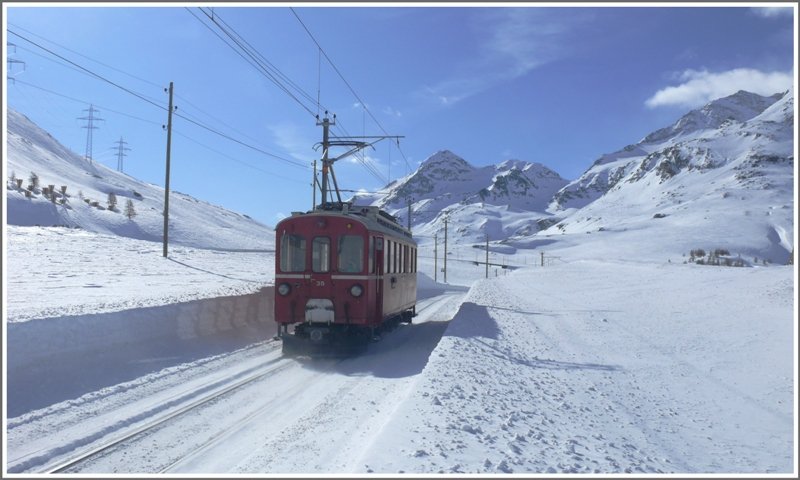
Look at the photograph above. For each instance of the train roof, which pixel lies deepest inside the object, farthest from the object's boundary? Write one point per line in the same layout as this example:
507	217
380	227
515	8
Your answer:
372	217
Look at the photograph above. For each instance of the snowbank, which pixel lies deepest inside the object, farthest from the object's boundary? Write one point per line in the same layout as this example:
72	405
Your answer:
54	359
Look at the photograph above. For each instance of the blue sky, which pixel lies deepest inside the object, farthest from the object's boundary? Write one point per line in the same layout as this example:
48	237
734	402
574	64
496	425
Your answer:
558	86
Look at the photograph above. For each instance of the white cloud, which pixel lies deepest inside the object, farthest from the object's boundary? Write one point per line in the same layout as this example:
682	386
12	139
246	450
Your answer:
392	112
773	12
700	87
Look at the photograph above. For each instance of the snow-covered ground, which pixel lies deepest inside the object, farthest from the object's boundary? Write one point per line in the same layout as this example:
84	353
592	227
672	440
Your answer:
55	272
635	368
583	365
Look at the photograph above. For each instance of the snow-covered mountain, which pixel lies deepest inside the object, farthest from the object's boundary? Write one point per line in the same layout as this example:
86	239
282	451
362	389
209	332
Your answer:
742	132
500	200
87	186
721	174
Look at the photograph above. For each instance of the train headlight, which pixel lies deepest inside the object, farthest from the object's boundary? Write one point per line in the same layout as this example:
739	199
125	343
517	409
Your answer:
284	289
356	290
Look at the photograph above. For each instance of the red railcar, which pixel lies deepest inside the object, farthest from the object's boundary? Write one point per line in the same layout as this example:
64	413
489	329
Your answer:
343	275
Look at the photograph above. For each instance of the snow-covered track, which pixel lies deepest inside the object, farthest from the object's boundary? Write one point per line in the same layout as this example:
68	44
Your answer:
173	408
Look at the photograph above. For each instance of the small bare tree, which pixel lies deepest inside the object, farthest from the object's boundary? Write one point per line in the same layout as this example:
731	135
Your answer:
112	201
130	212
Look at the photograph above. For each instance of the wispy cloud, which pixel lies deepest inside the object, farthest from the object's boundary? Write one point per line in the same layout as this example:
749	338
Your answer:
290	139
773	12
392	112
515	41
700	87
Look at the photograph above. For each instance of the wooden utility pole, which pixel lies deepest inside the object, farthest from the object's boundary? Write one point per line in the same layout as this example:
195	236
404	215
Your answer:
435	257
408	201
166	182
487	255
445	249
542	254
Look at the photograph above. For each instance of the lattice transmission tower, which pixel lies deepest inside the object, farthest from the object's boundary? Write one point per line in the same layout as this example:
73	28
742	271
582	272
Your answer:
90	125
121	149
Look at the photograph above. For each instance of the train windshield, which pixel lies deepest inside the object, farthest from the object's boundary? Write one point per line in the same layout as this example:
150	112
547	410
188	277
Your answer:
321	254
351	253
293	253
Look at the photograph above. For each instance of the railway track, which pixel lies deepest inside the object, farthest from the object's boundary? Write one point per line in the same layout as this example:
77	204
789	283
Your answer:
182	404
268	399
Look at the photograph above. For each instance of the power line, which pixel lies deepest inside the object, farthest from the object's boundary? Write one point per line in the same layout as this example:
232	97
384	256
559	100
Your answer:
270	70
90	72
243	51
84	102
352	90
84	56
235	159
96	75
83	70
217	132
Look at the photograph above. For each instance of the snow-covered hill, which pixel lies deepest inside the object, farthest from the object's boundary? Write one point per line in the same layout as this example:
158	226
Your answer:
500	200
721	175
85	201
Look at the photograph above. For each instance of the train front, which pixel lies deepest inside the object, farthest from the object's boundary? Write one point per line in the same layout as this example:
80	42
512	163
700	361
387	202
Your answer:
321	282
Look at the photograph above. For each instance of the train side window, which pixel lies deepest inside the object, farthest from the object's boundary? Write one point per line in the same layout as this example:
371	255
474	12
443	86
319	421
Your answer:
293	253
351	253
390	254
371	254
321	254
386	257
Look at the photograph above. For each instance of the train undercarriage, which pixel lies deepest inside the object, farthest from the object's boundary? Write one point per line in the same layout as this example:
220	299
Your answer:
336	339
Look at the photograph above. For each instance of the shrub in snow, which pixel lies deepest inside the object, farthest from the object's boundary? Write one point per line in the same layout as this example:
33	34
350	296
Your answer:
34	179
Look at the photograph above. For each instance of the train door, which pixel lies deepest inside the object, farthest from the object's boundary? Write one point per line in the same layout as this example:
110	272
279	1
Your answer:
377	275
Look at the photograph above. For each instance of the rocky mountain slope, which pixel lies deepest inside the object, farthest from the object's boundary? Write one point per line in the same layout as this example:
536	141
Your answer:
496	199
744	132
